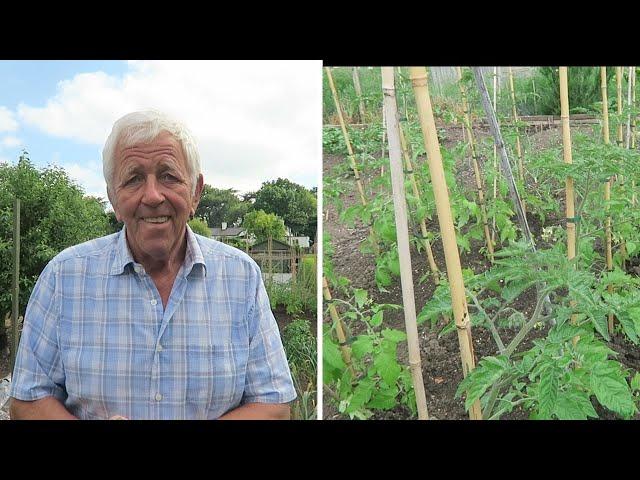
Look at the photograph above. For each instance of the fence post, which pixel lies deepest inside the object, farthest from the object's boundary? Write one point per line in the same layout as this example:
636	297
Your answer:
16	286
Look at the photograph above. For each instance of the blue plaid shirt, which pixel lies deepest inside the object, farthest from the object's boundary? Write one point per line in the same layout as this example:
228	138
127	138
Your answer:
97	338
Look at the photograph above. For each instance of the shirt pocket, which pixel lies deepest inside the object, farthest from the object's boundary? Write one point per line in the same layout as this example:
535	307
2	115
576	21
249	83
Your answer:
215	378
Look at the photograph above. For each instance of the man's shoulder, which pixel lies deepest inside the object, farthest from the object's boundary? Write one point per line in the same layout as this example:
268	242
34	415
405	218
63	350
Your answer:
96	248
215	250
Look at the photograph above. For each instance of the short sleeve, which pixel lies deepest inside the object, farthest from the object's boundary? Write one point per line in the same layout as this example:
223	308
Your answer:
268	379
38	371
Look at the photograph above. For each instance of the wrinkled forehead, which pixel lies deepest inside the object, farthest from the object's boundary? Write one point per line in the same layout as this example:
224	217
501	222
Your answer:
165	147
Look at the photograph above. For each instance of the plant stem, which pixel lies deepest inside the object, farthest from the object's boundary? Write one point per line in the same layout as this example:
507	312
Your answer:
492	326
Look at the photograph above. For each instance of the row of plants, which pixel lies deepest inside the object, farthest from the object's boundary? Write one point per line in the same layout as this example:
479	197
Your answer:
570	365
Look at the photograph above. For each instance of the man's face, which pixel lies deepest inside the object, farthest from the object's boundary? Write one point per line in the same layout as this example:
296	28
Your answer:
152	189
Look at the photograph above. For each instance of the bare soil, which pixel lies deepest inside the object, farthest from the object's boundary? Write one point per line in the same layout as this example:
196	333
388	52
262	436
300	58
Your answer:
441	367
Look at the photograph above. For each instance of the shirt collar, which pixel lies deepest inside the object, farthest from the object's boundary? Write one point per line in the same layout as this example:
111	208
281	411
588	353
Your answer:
123	256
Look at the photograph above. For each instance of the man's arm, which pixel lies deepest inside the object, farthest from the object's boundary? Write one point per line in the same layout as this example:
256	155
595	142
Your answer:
47	408
259	411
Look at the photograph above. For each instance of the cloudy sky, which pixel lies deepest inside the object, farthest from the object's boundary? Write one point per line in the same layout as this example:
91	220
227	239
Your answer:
253	121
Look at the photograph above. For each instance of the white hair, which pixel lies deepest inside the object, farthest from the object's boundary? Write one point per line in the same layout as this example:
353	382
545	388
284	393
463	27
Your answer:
143	127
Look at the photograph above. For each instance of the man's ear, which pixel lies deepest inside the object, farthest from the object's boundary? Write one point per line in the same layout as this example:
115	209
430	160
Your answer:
113	204
197	194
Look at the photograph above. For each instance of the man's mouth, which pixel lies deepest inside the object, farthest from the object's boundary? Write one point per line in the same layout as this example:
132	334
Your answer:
156	219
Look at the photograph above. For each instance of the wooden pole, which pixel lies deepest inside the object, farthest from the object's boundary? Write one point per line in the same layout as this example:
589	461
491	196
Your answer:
495	152
354	167
416	192
418	77
619	101
629	104
15	332
356	85
515	120
402	231
570	195
476	168
607	185
337	322
504	159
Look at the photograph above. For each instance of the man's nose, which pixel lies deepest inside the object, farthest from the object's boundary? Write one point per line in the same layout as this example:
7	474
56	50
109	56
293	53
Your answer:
152	194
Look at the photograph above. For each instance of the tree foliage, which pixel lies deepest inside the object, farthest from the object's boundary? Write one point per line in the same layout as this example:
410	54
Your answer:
200	227
54	215
221	205
292	202
264	225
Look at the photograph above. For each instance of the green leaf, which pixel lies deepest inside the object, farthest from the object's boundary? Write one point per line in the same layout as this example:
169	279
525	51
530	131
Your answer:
360	296
332	359
387	367
361	395
383	277
635	382
362	346
548	391
611	389
376	319
574	405
384	399
476	383
394	335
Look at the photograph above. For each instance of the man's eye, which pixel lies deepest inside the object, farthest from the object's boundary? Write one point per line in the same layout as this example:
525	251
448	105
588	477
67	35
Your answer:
168	177
133	180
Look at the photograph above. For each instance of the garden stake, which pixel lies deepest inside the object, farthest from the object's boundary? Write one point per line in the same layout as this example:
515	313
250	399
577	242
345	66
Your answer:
356	85
402	232
504	159
354	167
476	169
570	196
515	121
607	185
495	152
15	330
419	82
337	321
416	192
619	92
629	106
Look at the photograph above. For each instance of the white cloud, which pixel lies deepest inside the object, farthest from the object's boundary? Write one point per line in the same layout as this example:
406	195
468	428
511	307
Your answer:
7	121
10	141
89	176
254	121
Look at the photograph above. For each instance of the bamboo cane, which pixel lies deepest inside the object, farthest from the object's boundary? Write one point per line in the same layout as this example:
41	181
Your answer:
619	101
15	302
402	231
628	131
356	85
607	185
418	77
337	321
476	168
352	160
495	153
416	192
515	121
570	195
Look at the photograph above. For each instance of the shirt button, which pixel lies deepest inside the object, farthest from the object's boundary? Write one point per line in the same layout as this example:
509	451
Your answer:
158	397
159	349
154	301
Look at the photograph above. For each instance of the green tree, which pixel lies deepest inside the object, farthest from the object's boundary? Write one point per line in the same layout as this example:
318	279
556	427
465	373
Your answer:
292	202
200	227
217	206
54	215
264	225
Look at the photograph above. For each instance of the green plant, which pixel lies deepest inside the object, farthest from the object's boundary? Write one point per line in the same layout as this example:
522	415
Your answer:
200	227
374	380
300	346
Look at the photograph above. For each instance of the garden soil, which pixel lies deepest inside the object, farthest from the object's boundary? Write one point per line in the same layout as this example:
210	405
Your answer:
441	365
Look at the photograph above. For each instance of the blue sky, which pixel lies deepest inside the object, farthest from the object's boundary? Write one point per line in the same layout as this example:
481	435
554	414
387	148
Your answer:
253	121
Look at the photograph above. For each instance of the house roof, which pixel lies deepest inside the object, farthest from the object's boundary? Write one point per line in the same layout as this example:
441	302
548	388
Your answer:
227	232
275	245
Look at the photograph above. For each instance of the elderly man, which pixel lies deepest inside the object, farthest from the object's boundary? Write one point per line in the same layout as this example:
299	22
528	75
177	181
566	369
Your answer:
153	322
